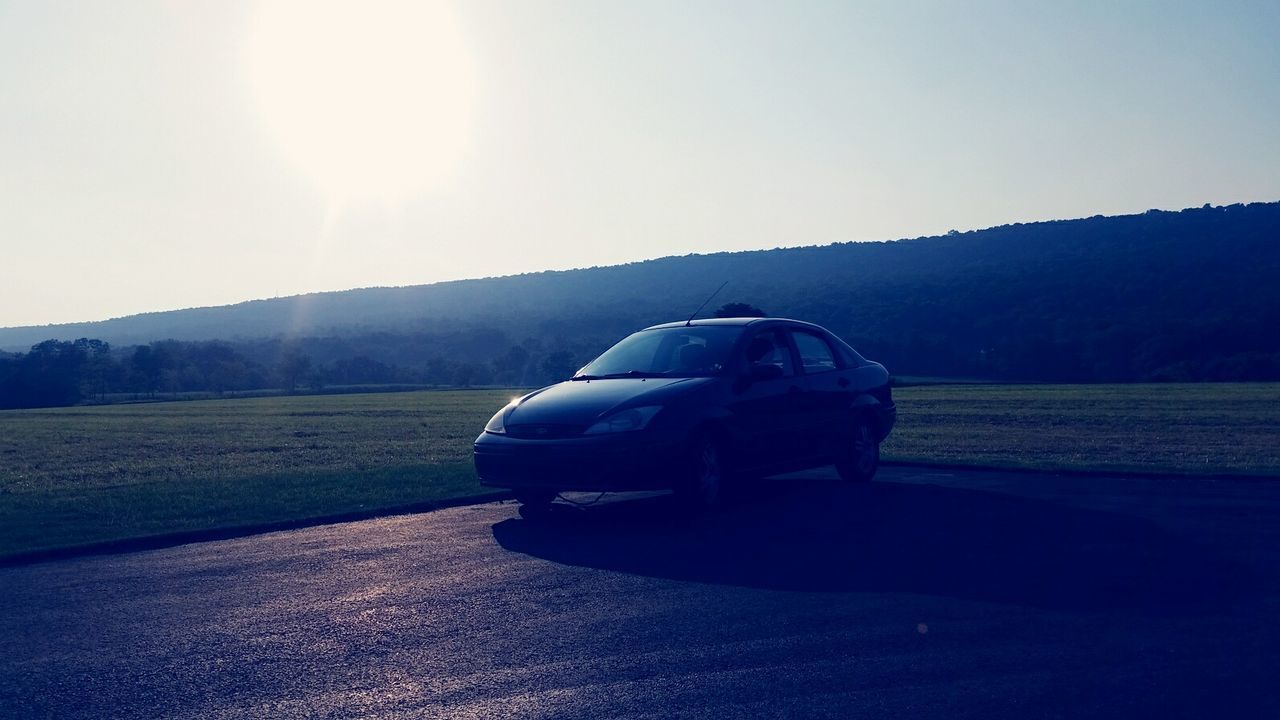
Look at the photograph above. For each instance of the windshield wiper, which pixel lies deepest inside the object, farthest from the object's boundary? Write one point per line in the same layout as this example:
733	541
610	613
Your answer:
627	374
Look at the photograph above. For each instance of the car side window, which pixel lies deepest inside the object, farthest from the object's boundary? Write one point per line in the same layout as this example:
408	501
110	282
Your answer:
848	358
815	353
770	348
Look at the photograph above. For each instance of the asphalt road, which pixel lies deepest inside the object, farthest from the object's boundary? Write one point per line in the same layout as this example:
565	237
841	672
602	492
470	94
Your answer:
929	594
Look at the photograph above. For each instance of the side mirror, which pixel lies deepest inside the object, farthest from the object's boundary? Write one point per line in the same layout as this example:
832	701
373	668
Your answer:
764	371
757	373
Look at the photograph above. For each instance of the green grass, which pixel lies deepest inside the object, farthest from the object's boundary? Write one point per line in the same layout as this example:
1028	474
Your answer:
70	476
1226	428
74	475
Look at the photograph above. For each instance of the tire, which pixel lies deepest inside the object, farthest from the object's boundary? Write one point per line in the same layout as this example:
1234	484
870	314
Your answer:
702	480
861	458
535	499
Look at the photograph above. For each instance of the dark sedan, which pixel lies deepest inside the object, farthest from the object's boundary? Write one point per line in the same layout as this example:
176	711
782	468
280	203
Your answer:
685	405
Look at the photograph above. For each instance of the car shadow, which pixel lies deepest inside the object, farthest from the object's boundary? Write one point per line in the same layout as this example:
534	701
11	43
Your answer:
824	536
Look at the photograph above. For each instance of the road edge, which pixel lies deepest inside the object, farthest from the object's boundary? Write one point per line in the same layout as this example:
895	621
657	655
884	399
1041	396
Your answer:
187	537
1096	473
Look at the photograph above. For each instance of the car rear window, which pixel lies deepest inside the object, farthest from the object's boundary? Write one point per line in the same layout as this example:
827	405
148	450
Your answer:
816	355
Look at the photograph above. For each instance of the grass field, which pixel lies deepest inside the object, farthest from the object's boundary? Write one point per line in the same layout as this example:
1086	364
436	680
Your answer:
75	475
1224	428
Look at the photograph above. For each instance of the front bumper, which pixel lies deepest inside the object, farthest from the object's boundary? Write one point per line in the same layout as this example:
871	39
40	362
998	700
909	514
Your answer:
626	461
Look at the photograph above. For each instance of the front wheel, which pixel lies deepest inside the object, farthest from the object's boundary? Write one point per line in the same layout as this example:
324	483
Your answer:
703	475
534	501
861	458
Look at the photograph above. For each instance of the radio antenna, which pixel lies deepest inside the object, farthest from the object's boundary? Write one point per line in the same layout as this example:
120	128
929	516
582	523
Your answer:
689	322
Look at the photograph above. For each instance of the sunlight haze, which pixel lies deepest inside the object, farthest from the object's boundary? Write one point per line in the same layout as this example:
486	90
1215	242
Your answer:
160	155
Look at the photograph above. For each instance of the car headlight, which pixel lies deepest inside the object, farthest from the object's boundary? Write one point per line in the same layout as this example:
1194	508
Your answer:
497	423
625	420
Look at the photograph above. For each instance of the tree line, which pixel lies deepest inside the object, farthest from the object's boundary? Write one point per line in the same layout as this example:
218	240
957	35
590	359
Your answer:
59	373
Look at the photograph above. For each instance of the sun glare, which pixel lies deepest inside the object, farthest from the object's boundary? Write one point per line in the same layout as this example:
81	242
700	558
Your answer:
371	99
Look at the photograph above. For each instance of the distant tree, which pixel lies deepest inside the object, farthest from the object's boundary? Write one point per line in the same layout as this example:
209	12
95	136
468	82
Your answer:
217	366
293	367
440	371
225	375
737	309
52	374
559	365
99	367
10	385
359	370
467	374
509	368
146	366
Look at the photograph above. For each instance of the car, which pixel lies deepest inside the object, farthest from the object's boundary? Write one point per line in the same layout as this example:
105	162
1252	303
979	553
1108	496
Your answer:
691	406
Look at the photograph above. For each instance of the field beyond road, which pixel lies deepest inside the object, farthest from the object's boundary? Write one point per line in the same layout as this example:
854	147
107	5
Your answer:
1201	429
71	476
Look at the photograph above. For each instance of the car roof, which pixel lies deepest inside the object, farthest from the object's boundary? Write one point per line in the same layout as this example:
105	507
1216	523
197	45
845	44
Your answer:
734	321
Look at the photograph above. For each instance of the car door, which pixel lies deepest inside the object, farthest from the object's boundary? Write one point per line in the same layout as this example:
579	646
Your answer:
831	388
766	414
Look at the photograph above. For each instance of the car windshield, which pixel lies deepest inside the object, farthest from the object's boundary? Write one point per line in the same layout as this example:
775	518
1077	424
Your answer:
692	351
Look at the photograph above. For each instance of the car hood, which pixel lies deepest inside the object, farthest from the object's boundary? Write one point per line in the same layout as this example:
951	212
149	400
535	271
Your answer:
579	402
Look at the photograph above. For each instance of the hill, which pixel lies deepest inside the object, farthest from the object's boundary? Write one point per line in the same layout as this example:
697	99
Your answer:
1190	295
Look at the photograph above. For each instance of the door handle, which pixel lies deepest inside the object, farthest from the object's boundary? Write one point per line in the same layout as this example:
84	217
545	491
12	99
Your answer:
843	382
795	390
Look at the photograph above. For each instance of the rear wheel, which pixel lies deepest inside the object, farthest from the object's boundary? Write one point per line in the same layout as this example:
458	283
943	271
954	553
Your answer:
861	458
700	487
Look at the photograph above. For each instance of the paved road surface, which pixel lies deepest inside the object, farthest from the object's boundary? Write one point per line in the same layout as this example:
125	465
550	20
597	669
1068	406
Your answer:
931	594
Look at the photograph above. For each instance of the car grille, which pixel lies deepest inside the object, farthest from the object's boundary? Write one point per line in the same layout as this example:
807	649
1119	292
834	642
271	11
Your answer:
544	431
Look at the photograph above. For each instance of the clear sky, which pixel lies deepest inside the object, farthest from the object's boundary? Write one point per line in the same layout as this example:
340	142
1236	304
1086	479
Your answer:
159	155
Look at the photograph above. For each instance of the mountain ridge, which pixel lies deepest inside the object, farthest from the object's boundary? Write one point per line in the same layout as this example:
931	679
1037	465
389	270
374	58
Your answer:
1154	294
64	330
